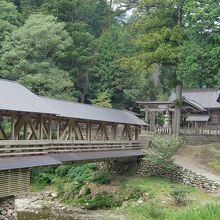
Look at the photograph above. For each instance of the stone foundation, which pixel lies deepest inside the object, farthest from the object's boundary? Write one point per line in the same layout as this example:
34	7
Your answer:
178	174
7	208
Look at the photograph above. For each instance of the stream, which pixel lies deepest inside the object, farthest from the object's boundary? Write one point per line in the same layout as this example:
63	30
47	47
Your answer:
43	215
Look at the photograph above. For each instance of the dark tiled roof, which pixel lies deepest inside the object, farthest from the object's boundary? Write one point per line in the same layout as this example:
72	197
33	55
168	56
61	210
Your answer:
15	97
207	98
89	112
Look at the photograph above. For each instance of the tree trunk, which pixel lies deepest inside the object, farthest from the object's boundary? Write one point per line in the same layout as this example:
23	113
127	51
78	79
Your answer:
178	110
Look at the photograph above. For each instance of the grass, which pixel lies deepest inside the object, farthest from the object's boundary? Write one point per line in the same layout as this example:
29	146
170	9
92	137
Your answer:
132	197
208	211
158	203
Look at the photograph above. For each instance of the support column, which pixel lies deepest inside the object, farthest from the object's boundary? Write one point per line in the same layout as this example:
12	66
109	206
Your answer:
178	109
146	115
58	129
152	120
13	126
136	133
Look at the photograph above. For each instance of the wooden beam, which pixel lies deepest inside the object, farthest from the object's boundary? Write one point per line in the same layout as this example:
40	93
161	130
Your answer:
114	131
34	130
136	132
98	131
58	129
66	128
128	131
105	132
77	131
12	136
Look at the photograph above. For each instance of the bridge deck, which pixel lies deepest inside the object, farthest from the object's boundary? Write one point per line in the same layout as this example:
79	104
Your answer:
22	162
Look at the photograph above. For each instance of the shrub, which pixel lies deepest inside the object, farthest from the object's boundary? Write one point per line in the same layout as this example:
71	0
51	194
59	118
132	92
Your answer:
163	150
155	209
81	173
179	195
102	201
101	178
63	170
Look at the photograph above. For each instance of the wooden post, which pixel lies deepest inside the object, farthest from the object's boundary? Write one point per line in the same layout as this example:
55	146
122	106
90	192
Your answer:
114	131
88	131
58	129
70	130
25	130
41	127
50	129
136	132
146	115
13	126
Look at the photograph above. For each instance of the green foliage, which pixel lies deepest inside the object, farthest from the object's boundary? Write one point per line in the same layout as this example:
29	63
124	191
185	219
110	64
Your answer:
208	211
165	147
103	100
36	48
100	178
177	103
199	55
155	210
163	150
9	20
102	201
179	195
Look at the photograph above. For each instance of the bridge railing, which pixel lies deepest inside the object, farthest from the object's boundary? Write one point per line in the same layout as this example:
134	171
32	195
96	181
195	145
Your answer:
33	147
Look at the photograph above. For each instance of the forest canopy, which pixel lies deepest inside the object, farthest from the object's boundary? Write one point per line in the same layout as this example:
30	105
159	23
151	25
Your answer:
110	52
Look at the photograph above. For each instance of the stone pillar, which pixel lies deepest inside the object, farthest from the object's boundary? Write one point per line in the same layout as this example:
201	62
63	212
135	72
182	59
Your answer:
152	120
7	208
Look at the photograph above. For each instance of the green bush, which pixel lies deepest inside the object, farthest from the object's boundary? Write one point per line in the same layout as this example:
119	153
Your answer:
81	173
102	201
100	178
63	170
163	150
155	210
179	195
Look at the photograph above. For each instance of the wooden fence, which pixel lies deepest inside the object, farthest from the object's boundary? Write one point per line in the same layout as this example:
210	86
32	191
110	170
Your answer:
35	147
190	131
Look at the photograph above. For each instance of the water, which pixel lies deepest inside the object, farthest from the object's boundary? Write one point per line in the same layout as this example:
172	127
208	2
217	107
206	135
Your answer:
43	215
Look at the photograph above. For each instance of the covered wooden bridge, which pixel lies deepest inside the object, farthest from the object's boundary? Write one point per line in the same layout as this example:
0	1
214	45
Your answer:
39	131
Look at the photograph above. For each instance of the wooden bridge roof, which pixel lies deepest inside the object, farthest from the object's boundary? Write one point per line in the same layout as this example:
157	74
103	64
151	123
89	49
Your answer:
90	112
15	97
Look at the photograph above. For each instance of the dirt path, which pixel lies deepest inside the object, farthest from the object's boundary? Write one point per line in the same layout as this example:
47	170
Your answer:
188	158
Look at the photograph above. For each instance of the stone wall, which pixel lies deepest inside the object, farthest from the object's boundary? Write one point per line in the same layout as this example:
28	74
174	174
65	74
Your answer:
178	174
7	208
200	139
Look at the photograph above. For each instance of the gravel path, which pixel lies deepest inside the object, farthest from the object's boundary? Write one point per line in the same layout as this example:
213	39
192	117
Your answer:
187	162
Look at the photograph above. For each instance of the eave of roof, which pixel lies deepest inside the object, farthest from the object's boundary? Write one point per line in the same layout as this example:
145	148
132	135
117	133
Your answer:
89	112
15	97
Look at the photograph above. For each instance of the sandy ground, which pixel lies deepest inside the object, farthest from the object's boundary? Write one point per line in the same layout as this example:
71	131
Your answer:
188	157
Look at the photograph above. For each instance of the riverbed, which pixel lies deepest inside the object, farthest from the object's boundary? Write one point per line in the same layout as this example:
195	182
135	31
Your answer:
45	206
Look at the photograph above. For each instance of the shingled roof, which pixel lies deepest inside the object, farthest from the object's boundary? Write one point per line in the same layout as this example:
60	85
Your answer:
15	97
207	98
90	112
